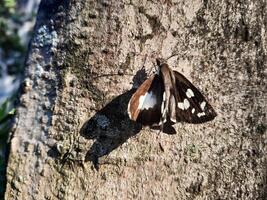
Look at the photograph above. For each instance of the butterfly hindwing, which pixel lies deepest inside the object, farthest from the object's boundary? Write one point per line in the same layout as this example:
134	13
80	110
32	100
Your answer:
192	106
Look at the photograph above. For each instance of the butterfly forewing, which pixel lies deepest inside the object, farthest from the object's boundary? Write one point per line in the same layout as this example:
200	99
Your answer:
192	106
145	104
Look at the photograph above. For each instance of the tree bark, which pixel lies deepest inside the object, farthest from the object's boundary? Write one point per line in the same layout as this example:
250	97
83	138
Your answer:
72	138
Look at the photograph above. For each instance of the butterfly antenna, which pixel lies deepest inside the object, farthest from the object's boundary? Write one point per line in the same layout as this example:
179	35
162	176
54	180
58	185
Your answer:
172	56
144	62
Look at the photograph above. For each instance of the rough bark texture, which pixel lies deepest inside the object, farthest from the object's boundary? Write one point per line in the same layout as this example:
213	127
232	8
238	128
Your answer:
72	138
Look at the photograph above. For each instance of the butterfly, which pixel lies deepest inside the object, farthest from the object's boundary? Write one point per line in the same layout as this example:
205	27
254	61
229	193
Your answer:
168	97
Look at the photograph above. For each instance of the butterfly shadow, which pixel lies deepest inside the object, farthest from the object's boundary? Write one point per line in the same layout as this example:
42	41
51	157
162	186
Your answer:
111	126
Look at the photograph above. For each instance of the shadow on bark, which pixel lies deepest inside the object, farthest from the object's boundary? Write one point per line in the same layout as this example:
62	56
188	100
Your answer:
110	128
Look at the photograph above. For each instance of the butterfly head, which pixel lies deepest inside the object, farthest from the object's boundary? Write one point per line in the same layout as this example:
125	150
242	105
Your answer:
160	62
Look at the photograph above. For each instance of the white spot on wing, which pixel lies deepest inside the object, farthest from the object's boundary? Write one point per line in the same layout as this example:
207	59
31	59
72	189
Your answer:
141	101
128	109
193	110
147	101
181	105
163	103
164	112
202	105
186	104
201	114
162	107
189	93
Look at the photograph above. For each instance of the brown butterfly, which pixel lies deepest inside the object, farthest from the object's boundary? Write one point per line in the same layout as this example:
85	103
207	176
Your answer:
168	97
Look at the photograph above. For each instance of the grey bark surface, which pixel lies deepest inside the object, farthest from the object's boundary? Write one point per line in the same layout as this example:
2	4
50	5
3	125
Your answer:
72	138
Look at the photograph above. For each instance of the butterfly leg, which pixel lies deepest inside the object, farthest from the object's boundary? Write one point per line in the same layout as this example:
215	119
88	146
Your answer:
159	140
158	136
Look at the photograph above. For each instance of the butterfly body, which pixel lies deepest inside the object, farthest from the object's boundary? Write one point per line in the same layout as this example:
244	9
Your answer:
168	97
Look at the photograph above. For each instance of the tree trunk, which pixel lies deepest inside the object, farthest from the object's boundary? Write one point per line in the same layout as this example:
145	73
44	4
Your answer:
72	138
